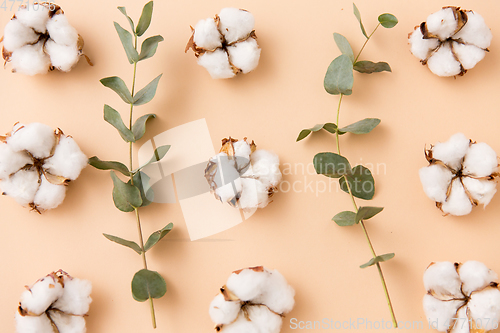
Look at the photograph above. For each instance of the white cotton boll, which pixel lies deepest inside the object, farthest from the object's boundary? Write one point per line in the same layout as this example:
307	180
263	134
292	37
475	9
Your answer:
230	190
76	297
21	186
480	160
31	324
264	320
67	323
484	308
442	23
61	31
440	314
254	194
421	47
442	280
468	55
481	190
242	148
17	34
68	160
62	57
217	64
241	325
34	16
223	312
435	180
475	31
277	294
247	284
452	151
41	295
443	63
235	24
458	202
49	196
36	138
10	161
475	276
30	60
206	35
245	55
266	167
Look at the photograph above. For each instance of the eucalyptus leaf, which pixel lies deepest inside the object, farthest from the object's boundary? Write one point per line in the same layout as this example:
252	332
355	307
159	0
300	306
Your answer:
126	193
157	236
149	46
120	202
139	127
158	154
377	259
388	20
124	12
365	213
361	127
118	86
127	42
147	93
358	16
109	165
145	20
305	132
368	67
345	219
361	183
343	45
124	242
113	117
339	78
141	181
148	284
331	165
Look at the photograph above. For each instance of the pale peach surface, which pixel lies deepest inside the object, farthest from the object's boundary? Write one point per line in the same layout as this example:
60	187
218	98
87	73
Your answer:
285	94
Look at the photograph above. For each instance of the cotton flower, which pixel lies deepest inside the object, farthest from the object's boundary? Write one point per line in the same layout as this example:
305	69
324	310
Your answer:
39	38
55	303
254	299
451	41
461	174
461	298
226	45
36	164
243	176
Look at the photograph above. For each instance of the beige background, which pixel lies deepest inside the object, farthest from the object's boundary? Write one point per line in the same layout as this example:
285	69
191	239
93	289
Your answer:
271	105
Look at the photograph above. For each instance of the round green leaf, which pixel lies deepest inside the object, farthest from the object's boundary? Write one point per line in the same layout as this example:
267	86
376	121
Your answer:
331	165
345	219
148	284
361	183
388	20
339	78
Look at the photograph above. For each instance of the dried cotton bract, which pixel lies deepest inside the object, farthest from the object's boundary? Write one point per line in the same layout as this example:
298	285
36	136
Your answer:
461	174
243	176
36	164
39	38
452	41
56	303
226	45
253	300
461	298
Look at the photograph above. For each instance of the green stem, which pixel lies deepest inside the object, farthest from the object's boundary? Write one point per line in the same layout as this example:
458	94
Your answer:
382	279
138	220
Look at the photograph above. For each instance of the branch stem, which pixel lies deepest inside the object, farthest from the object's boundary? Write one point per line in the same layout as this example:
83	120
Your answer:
382	279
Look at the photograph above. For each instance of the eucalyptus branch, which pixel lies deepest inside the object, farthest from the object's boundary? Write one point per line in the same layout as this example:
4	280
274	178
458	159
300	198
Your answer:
358	181
135	193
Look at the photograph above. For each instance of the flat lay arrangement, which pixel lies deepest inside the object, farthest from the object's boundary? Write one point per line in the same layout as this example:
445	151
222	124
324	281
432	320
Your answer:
264	164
